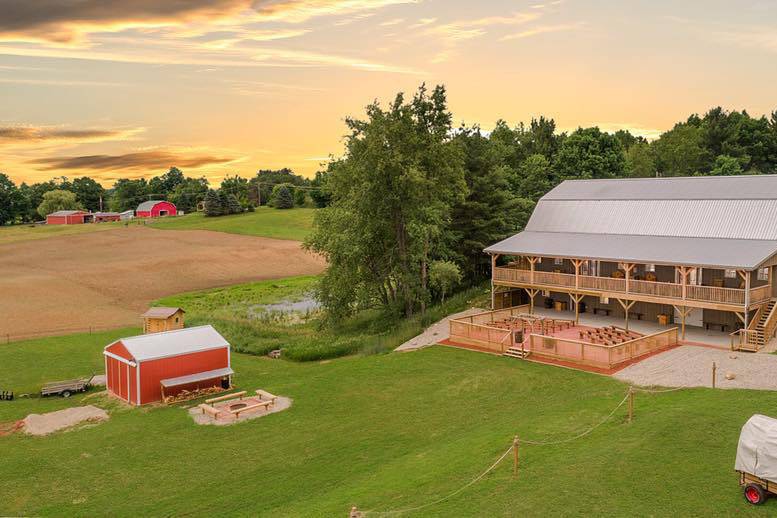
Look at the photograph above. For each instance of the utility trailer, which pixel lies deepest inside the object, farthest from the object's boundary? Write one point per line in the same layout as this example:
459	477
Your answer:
756	459
66	388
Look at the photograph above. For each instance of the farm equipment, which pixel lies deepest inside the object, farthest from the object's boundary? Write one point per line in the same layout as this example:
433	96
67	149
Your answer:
66	388
756	459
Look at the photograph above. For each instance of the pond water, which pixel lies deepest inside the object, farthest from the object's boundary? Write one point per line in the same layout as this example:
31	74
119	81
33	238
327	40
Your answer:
286	307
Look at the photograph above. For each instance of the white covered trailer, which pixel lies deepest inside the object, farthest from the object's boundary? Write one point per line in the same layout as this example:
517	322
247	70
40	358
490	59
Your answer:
756	459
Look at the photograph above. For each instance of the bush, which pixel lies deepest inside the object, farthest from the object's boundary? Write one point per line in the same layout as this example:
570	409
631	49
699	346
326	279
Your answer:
300	198
444	276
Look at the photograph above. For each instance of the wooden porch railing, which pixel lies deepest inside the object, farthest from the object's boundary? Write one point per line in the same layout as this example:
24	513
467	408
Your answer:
731	296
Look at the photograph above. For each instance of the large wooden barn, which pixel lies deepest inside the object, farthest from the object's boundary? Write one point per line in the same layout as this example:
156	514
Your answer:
156	209
697	251
146	368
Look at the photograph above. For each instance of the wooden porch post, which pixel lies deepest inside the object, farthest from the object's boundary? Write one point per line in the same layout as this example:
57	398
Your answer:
626	308
627	267
493	266
684	312
532	260
683	278
532	293
577	298
746	277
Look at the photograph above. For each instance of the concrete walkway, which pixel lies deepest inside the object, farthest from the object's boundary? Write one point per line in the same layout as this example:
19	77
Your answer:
436	332
691	366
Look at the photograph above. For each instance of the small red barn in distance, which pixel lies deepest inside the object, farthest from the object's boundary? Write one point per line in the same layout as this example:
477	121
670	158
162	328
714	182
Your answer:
155	209
141	369
68	217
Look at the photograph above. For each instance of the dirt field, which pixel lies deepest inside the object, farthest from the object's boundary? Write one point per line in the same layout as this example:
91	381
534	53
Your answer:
107	279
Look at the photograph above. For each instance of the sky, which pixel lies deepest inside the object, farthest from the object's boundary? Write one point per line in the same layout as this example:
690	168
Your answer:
221	87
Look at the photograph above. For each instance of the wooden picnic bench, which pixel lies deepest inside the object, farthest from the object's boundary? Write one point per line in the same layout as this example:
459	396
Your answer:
207	409
261	404
238	395
264	395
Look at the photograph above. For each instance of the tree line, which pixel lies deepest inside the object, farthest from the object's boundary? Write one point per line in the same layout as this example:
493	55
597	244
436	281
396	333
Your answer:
31	202
414	198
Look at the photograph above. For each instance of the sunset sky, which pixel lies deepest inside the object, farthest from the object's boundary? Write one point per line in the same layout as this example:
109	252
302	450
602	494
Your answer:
219	87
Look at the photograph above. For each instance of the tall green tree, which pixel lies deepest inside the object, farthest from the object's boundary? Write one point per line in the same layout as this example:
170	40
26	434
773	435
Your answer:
589	153
164	185
89	193
726	166
681	151
58	199
189	193
128	194
534	178
489	211
236	185
11	200
212	204
392	198
640	160
282	197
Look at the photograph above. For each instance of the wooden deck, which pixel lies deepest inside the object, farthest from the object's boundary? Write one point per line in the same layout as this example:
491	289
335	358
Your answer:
710	297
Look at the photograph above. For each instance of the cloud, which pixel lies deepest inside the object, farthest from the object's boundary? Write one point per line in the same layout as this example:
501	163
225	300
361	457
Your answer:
68	22
389	23
633	128
34	135
155	159
542	29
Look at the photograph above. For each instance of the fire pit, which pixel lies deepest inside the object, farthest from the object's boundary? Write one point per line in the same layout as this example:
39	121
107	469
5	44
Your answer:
237	406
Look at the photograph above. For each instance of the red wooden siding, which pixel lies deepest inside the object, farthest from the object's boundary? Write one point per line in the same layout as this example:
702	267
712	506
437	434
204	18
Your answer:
154	371
157	208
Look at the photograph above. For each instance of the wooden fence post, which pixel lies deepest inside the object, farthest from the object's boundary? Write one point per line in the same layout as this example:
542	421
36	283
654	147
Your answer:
631	404
714	368
515	456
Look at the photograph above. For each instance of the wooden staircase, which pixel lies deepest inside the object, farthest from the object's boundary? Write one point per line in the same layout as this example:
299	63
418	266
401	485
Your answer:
516	352
762	328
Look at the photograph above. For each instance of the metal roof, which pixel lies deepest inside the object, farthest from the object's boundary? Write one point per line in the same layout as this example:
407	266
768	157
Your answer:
148	205
710	253
173	343
727	221
194	378
161	312
66	212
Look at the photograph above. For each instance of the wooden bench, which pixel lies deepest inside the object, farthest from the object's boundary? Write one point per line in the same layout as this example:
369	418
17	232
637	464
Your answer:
722	326
264	395
238	395
606	311
238	411
637	315
207	409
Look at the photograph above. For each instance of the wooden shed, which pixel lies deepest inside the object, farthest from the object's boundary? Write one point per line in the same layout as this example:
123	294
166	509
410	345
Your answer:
159	319
68	217
143	369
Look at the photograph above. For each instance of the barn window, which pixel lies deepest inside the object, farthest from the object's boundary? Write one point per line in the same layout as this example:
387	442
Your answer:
730	274
650	268
176	320
763	274
558	261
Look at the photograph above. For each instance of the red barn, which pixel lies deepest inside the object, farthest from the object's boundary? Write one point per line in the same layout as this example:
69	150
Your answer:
68	217
155	209
143	369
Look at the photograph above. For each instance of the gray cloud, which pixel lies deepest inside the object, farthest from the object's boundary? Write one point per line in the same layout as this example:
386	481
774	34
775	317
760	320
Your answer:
129	161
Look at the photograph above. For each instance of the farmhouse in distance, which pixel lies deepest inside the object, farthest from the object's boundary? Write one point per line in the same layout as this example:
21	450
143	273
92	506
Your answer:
699	251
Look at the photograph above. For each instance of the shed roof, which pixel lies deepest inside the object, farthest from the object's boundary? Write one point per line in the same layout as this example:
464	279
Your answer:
148	205
161	312
173	343
726	221
194	378
66	212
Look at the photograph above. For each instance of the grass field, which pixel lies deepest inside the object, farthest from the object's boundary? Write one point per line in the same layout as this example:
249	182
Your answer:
236	311
384	432
265	222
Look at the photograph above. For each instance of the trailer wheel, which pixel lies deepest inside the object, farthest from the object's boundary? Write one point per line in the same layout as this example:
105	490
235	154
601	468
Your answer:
755	494
65	393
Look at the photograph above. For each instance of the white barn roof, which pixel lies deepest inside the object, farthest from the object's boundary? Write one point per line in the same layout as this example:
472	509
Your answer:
724	222
173	343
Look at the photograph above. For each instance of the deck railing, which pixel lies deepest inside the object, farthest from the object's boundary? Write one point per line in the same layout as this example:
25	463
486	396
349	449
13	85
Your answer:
599	355
668	290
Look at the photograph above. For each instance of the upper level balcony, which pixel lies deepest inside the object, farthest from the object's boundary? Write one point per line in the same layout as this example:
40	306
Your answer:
649	290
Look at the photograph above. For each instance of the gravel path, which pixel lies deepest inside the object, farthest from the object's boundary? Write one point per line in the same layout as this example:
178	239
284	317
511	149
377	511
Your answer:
43	424
691	366
434	333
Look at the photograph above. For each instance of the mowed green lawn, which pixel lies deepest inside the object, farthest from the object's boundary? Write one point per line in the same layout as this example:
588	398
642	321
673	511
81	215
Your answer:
384	432
265	222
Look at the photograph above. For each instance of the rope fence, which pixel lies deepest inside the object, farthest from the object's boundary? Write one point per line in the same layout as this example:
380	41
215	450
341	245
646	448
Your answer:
514	449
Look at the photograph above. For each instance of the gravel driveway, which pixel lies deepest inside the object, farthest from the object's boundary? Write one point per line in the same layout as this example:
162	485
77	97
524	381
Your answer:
691	366
436	332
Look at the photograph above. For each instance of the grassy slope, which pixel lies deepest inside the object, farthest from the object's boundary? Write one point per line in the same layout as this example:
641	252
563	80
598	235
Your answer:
266	222
384	432
229	309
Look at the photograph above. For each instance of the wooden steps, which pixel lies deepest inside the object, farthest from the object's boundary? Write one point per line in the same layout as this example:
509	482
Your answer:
516	352
764	328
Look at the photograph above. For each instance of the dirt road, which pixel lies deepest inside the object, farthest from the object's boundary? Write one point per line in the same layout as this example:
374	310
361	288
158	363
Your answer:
107	279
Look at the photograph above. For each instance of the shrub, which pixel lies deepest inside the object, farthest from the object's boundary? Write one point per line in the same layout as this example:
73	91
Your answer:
282	197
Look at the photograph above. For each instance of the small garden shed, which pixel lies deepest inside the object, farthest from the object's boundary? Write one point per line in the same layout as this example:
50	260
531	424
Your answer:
68	217
155	209
143	369
159	319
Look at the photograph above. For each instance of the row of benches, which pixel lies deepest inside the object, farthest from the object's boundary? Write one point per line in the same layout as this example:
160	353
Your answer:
266	400
610	335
